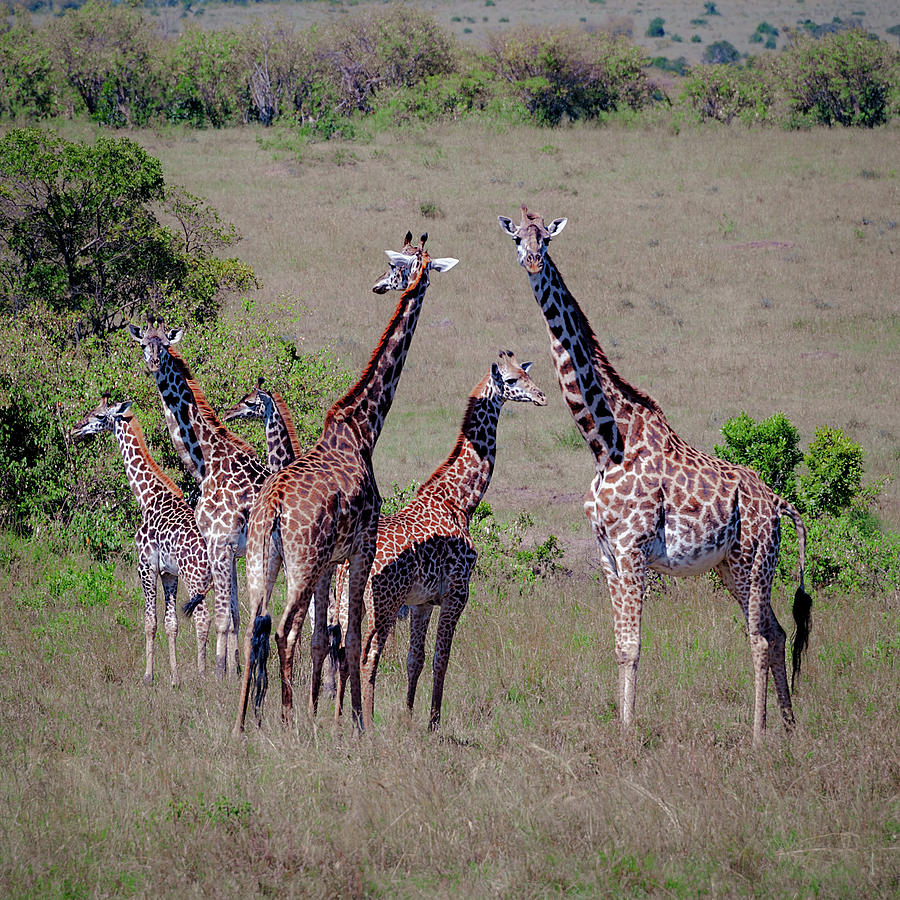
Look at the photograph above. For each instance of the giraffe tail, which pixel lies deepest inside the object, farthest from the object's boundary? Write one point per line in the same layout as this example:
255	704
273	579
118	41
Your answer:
802	608
259	656
192	604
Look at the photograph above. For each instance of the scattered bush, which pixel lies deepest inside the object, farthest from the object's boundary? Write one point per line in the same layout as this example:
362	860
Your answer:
721	53
569	74
655	28
725	92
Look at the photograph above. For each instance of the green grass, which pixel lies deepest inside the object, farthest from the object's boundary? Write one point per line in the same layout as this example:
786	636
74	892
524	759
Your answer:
530	790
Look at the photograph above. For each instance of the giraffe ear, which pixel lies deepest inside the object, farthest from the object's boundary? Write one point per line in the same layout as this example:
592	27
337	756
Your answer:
119	409
526	366
556	226
135	332
444	264
507	225
174	335
399	259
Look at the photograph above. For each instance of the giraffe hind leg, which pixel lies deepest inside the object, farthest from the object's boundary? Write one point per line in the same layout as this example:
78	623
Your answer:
170	620
147	575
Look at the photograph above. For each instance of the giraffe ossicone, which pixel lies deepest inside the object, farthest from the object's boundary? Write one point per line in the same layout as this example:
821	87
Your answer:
656	503
168	542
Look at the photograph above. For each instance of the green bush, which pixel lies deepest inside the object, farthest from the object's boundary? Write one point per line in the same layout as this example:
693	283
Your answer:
769	447
47	385
569	74
79	231
721	53
655	28
845	78
725	92
833	476
28	88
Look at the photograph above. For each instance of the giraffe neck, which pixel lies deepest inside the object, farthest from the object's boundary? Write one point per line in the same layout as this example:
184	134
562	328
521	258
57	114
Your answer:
365	406
600	400
195	429
282	441
147	479
463	478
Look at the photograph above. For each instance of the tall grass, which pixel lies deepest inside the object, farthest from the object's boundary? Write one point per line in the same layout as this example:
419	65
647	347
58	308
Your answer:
722	271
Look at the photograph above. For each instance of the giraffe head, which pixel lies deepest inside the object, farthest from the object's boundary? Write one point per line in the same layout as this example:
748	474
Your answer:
512	382
154	339
405	265
250	406
103	418
531	237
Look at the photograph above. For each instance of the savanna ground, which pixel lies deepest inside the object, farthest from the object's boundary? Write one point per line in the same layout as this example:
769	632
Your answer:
723	269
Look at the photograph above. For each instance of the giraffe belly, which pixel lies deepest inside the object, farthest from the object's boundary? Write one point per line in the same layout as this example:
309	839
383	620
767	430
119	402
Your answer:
672	555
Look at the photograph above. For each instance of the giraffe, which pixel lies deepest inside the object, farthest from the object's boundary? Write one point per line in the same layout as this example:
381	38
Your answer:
282	448
224	465
656	502
168	540
323	508
282	441
424	555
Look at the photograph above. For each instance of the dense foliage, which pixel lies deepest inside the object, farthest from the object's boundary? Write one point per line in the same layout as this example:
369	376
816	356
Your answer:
83	253
79	232
845	545
108	62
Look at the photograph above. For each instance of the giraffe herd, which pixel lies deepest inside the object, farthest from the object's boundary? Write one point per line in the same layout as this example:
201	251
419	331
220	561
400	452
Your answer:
655	504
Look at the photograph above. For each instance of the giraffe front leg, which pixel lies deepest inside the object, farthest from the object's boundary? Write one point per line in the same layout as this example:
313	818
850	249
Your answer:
232	650
452	606
170	620
147	575
382	613
202	621
221	561
360	566
318	650
626	589
419	617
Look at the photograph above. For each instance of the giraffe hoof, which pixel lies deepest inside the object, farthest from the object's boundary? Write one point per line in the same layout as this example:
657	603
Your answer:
148	680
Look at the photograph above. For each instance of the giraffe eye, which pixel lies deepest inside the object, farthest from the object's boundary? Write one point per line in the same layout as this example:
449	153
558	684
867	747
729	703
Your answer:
511	381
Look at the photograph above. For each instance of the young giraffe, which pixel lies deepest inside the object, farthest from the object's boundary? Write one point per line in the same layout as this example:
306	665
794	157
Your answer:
323	508
168	540
282	441
658	503
224	465
424	555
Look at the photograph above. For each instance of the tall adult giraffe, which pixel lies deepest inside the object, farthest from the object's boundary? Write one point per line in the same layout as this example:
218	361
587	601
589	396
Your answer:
323	508
168	540
658	503
225	466
282	441
424	555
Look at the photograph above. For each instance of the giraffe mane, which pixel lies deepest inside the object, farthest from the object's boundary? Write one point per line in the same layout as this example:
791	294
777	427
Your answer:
461	438
348	401
293	437
206	411
152	464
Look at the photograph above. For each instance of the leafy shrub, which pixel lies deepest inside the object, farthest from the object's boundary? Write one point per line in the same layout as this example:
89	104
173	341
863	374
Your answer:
769	447
721	53
504	561
845	78
28	88
655	28
833	476
46	385
724	92
79	231
569	74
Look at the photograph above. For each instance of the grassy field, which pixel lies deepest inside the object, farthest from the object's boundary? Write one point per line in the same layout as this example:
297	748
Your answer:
723	269
683	20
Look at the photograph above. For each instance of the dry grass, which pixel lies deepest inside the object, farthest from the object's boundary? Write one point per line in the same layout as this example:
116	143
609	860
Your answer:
110	789
471	20
677	248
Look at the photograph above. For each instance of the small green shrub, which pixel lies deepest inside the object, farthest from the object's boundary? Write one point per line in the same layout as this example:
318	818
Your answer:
833	476
721	53
725	93
655	28
769	447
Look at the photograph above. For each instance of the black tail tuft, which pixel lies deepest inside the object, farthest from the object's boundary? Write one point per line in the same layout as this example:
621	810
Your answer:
403	613
259	656
335	650
802	612
192	604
